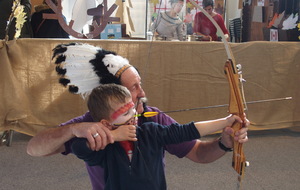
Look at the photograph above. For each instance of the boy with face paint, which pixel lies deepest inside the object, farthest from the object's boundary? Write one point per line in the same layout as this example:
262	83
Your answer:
168	25
135	164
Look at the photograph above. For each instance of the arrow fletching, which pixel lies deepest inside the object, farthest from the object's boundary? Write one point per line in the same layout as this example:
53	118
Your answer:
147	114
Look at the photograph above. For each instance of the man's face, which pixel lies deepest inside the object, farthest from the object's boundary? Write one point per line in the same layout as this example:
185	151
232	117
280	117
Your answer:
132	81
178	6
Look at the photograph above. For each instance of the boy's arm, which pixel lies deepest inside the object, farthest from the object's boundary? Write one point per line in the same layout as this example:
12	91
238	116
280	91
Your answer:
176	133
211	126
80	148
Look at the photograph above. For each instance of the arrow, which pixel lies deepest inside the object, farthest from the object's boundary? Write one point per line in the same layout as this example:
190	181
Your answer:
151	114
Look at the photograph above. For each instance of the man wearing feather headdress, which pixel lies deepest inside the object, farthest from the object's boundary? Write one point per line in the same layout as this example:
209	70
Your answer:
83	67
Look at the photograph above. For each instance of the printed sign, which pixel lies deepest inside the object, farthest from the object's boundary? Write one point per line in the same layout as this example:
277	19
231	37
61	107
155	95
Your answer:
273	35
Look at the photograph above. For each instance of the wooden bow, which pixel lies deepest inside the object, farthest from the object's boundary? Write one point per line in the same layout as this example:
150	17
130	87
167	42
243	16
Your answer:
236	103
236	107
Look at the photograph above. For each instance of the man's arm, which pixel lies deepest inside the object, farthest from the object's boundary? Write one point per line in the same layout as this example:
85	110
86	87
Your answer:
48	142
51	141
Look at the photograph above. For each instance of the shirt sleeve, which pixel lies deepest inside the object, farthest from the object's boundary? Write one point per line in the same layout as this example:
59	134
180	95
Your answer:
83	118
180	150
175	133
82	151
220	22
155	23
179	31
197	23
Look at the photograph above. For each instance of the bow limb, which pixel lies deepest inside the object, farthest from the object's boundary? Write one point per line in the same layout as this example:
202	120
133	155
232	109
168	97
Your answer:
236	105
224	40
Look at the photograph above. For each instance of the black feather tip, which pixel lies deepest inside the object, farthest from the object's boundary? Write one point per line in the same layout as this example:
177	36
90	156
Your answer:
60	71
64	81
60	59
73	89
59	49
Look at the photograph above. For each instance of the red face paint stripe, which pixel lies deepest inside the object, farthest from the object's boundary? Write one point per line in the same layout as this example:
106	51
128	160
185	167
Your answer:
122	110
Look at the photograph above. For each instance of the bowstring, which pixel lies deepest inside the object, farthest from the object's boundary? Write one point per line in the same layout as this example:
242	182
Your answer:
151	43
224	40
242	91
226	44
227	48
229	55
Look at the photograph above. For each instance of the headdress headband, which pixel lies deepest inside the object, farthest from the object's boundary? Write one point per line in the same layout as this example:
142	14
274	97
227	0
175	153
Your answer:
83	67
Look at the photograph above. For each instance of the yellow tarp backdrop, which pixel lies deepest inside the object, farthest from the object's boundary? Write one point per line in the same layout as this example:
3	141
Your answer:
176	75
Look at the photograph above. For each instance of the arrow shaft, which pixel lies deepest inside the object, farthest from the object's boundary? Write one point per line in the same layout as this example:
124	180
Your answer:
224	105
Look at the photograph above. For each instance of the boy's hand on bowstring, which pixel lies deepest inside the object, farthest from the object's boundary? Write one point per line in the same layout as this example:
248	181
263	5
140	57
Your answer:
125	133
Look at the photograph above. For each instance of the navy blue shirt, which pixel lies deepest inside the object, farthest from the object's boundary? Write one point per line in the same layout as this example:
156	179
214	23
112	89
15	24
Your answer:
96	173
146	169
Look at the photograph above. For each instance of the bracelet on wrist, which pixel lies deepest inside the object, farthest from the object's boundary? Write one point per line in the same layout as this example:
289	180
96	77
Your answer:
223	147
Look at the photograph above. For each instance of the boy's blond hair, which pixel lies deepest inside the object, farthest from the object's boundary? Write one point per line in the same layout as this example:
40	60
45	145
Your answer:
103	97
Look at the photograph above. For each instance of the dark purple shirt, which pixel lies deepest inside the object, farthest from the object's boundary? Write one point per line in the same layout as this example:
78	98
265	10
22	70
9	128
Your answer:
97	173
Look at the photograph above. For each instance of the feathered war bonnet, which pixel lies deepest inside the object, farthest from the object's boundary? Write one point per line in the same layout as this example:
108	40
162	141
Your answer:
83	67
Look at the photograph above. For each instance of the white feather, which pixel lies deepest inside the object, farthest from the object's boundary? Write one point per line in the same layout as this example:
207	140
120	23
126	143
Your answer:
114	63
78	75
83	50
85	85
79	70
79	64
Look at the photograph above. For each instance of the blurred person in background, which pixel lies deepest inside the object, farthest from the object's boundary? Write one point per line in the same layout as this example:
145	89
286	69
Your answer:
204	27
168	25
46	28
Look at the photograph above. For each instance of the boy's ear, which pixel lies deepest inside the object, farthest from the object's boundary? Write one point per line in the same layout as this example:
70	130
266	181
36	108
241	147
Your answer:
106	124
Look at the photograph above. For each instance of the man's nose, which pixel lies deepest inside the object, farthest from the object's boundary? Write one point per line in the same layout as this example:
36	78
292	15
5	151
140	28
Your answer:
141	92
